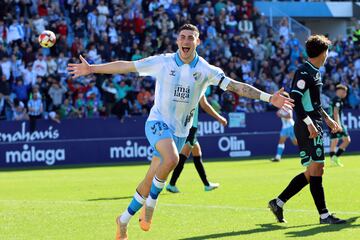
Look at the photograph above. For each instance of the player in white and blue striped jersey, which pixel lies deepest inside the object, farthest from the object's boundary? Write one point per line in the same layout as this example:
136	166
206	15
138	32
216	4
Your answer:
287	130
181	80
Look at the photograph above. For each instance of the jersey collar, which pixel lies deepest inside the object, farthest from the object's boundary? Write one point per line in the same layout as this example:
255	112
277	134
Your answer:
192	64
312	66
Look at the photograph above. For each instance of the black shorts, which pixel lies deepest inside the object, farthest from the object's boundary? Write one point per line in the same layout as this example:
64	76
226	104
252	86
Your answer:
311	150
191	138
340	135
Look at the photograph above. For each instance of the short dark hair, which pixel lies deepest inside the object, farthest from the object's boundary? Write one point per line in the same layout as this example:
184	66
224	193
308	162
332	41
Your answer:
316	44
190	27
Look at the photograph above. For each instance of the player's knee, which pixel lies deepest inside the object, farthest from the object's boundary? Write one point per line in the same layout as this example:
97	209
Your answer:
171	161
347	140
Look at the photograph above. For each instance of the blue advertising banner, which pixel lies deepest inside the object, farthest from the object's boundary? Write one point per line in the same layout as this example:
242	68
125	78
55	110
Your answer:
82	141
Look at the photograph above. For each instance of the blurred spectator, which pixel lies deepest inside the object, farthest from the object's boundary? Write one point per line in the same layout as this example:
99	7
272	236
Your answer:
19	111
40	66
56	93
35	107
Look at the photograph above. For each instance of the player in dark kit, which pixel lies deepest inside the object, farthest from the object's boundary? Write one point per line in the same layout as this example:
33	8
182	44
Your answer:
335	113
306	91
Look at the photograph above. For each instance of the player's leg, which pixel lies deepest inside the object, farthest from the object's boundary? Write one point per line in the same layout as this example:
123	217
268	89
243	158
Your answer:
167	146
293	137
185	153
299	181
333	143
280	148
345	143
138	200
314	173
197	157
170	157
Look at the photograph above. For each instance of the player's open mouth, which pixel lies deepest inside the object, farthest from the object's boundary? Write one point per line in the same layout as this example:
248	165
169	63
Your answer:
186	49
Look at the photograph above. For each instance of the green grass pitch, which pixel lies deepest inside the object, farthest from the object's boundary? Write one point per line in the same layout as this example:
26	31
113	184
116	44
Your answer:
81	203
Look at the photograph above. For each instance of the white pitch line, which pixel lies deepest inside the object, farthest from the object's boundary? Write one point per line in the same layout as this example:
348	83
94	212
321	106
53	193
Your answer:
235	208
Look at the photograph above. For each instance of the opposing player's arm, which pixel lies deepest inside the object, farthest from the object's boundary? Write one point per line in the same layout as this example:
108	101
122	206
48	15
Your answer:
211	111
246	90
337	115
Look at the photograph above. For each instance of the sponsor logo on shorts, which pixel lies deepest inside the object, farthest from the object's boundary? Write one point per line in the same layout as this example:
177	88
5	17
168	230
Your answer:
319	152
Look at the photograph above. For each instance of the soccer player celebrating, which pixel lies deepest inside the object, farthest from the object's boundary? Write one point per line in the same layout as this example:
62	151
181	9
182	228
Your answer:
193	146
306	90
181	80
287	130
335	113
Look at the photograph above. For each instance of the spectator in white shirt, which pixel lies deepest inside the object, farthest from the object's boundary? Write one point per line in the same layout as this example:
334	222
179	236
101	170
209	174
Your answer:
6	67
40	66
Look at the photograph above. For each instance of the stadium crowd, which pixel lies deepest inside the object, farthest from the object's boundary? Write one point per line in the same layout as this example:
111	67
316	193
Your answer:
235	36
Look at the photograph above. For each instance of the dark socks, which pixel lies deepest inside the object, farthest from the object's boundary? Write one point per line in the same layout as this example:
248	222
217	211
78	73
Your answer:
178	169
339	152
317	192
200	169
332	154
296	184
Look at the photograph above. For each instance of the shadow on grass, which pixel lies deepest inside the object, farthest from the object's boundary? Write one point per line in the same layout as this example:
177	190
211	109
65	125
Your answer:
261	228
109	199
324	228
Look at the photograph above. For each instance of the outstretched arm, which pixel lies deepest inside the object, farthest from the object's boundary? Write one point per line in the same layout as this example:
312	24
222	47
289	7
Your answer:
211	111
246	90
84	68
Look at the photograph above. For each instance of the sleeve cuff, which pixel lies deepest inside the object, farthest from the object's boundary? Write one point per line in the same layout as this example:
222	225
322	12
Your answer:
307	120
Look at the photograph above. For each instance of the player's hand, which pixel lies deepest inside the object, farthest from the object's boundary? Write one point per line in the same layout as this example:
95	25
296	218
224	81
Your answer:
279	101
223	121
334	126
79	69
340	129
312	130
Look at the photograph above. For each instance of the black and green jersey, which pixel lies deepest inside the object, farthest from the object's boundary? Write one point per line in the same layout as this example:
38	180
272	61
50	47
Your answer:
306	91
338	103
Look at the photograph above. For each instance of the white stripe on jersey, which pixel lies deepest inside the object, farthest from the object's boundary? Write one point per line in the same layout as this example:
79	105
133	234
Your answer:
178	88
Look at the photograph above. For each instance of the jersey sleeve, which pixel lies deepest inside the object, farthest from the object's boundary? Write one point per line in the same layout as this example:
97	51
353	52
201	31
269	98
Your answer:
149	66
217	77
299	86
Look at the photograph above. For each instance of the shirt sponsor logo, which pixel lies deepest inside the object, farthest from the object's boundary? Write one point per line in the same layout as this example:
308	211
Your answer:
182	94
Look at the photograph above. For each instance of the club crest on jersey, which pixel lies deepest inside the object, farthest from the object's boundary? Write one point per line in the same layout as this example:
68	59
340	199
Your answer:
197	75
300	84
317	75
